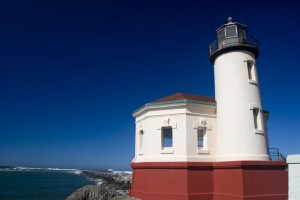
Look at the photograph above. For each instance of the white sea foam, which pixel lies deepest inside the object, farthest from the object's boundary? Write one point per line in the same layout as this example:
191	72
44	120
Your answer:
78	172
5	170
98	181
75	171
27	168
122	172
61	169
119	172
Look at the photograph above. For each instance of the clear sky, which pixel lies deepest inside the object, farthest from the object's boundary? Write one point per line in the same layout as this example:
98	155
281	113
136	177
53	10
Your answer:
73	71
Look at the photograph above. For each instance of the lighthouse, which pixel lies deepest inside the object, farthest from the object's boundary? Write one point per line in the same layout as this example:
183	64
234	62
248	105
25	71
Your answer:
190	147
241	129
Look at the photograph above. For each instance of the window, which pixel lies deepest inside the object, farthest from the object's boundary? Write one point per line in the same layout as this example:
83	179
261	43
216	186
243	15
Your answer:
221	34
167	137
251	70
201	138
141	134
257	119
242	31
231	31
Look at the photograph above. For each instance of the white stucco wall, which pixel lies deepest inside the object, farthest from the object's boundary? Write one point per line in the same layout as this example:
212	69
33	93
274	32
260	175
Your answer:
236	96
184	120
294	176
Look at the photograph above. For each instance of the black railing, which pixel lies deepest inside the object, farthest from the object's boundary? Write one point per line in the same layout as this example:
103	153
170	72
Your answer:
276	155
233	41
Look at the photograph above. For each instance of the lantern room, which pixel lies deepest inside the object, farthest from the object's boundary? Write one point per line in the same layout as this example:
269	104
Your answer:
232	36
232	30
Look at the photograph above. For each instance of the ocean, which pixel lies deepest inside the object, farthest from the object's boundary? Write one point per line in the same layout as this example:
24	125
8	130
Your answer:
40	184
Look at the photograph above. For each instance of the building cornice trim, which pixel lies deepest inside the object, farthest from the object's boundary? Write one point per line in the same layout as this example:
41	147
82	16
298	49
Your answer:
175	103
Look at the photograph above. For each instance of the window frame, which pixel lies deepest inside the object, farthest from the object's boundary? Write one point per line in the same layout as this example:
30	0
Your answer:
204	149
257	120
221	34
251	72
236	31
201	138
141	141
163	138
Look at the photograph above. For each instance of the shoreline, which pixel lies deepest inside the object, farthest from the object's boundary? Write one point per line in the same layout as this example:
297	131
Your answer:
112	185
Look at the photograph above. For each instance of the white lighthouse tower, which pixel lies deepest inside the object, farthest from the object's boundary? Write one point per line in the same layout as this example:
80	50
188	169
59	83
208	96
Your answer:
241	130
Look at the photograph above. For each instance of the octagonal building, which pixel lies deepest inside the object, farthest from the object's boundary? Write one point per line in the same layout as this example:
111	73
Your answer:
179	127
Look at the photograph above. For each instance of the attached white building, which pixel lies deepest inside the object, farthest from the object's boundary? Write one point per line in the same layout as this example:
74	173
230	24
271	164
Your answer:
179	127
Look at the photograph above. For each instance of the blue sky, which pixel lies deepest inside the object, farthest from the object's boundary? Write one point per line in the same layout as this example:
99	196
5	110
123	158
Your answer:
72	72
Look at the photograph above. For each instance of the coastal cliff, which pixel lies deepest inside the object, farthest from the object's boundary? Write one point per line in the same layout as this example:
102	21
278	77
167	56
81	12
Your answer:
110	186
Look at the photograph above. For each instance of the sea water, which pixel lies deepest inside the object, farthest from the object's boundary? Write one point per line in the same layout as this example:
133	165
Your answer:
40	184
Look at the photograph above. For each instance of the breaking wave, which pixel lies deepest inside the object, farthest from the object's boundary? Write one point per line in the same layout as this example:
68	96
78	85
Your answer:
75	171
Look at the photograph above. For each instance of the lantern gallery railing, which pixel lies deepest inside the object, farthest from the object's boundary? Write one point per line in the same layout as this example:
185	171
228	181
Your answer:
239	40
276	155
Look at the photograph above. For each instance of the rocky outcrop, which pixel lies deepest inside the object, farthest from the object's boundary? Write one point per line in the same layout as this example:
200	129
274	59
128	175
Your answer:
94	192
111	186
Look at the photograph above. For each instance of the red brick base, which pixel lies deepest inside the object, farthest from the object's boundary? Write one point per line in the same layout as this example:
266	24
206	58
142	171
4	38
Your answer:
235	180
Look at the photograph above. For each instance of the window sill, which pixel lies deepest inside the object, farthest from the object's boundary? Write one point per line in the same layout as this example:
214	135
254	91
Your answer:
261	132
253	82
167	151
203	151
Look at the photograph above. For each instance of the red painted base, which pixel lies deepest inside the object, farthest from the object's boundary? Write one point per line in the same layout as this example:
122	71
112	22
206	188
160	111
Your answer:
235	180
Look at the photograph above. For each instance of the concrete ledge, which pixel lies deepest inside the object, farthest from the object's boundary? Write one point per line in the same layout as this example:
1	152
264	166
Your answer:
293	159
